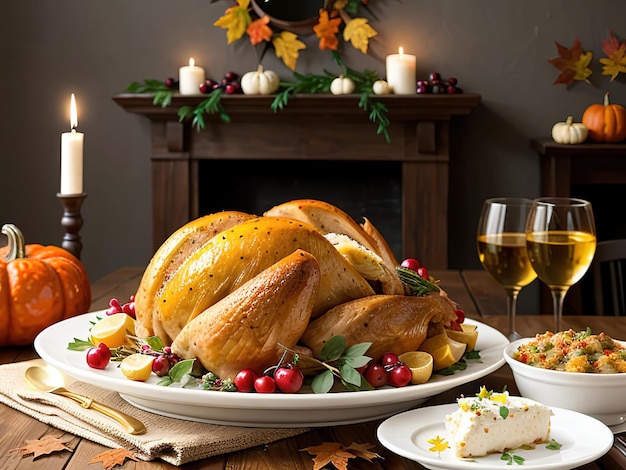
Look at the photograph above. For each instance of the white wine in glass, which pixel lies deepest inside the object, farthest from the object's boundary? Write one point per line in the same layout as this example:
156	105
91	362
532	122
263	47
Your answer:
501	242
561	242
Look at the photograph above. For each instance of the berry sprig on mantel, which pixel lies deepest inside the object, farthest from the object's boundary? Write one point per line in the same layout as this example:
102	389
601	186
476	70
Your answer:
348	81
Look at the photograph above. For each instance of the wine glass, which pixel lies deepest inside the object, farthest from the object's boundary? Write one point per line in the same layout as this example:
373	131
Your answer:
561	243
501	242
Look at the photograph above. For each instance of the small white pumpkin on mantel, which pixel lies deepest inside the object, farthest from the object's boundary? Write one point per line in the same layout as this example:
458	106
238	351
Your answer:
569	132
382	87
260	82
342	86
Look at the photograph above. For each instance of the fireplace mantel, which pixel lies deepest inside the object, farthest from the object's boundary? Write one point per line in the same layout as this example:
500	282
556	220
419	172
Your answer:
310	127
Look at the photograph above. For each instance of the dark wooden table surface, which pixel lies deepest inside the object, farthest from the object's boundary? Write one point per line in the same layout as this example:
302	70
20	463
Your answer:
482	299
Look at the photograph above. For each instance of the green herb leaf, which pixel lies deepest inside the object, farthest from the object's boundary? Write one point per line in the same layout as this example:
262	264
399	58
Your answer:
334	348
504	412
322	383
80	345
416	283
356	362
554	445
357	349
350	375
181	368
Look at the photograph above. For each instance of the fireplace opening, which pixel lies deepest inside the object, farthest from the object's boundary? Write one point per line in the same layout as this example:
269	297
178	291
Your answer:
361	189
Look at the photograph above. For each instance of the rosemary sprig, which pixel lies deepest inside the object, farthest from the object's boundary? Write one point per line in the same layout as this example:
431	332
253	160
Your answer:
211	105
162	93
418	285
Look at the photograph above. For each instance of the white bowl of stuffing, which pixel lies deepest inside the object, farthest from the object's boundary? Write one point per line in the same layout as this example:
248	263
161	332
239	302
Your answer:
576	370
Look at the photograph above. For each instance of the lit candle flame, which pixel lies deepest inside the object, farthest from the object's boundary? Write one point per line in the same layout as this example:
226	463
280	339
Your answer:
400	50
191	62
73	114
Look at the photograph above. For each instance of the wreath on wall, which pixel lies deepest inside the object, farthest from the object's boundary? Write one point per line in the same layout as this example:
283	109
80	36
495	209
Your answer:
276	24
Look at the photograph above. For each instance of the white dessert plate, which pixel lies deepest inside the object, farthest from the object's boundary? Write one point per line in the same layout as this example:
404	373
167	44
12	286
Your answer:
583	439
252	409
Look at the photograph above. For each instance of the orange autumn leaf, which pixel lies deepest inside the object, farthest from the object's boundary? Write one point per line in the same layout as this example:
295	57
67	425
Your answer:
44	446
615	62
358	32
338	455
259	31
327	29
573	63
235	20
286	46
113	457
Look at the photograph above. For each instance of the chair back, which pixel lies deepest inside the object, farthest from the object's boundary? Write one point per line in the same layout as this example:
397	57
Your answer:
608	270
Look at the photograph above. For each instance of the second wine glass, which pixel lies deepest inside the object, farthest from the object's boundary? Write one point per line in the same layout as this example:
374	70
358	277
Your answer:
561	242
501	242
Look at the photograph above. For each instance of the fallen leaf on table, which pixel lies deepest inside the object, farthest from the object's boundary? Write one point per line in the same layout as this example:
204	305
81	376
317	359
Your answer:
573	63
113	457
44	446
338	455
615	60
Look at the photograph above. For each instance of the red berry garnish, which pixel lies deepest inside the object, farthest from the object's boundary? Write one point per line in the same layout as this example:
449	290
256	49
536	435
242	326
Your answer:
389	359
171	83
98	357
204	88
460	315
376	376
244	380
452	81
411	263
289	378
399	376
265	384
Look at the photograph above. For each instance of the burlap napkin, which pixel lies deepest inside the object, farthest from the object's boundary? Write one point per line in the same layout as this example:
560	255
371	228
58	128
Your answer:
174	440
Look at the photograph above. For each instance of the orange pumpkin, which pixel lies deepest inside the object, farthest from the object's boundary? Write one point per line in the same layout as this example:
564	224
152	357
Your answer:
39	285
606	122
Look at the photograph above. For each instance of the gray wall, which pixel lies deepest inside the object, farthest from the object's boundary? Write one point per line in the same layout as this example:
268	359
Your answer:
94	49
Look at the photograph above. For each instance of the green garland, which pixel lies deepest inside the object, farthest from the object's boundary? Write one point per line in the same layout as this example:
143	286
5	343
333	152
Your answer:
309	83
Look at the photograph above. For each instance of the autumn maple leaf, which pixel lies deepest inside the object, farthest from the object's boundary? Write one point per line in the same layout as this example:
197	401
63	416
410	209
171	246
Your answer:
327	29
338	455
113	457
358	32
286	46
235	20
573	63
258	31
615	62
44	446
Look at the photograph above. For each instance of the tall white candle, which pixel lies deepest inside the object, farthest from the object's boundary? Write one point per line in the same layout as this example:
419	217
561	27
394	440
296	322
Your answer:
401	73
72	155
189	78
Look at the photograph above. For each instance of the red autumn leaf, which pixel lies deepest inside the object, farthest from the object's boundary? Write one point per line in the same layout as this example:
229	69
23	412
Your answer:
258	31
113	457
338	455
44	446
573	63
327	29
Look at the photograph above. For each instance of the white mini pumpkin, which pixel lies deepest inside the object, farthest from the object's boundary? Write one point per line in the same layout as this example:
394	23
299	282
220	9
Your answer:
569	132
260	82
381	87
342	86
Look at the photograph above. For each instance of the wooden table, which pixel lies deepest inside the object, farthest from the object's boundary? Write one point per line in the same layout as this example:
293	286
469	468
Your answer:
482	300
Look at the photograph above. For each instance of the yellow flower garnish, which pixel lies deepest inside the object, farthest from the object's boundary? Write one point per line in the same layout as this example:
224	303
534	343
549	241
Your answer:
483	392
499	397
439	444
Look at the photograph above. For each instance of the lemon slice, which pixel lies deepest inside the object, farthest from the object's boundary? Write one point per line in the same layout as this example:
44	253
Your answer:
445	351
469	336
111	330
421	365
137	367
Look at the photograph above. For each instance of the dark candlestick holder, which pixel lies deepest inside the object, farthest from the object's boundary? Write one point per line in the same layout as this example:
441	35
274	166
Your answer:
72	221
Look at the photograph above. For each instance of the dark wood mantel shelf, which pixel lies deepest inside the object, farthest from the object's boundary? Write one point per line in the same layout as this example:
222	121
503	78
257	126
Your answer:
310	127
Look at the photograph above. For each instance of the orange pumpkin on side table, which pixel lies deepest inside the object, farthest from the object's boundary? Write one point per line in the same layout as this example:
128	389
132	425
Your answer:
606	122
39	285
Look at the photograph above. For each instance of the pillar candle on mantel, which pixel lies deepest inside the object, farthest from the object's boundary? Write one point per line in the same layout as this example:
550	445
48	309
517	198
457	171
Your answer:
72	155
401	73
189	78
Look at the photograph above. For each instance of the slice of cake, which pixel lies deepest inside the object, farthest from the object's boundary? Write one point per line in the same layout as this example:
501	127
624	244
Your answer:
494	422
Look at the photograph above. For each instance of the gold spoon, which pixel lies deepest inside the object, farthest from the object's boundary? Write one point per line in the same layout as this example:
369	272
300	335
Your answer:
49	379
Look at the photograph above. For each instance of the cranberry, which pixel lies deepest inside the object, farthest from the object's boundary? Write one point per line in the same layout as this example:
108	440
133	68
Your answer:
204	88
289	378
400	375
460	315
244	380
451	90
422	90
231	76
452	81
411	263
423	272
434	77
171	83
232	88
389	359
265	384
98	357
376	376
161	365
